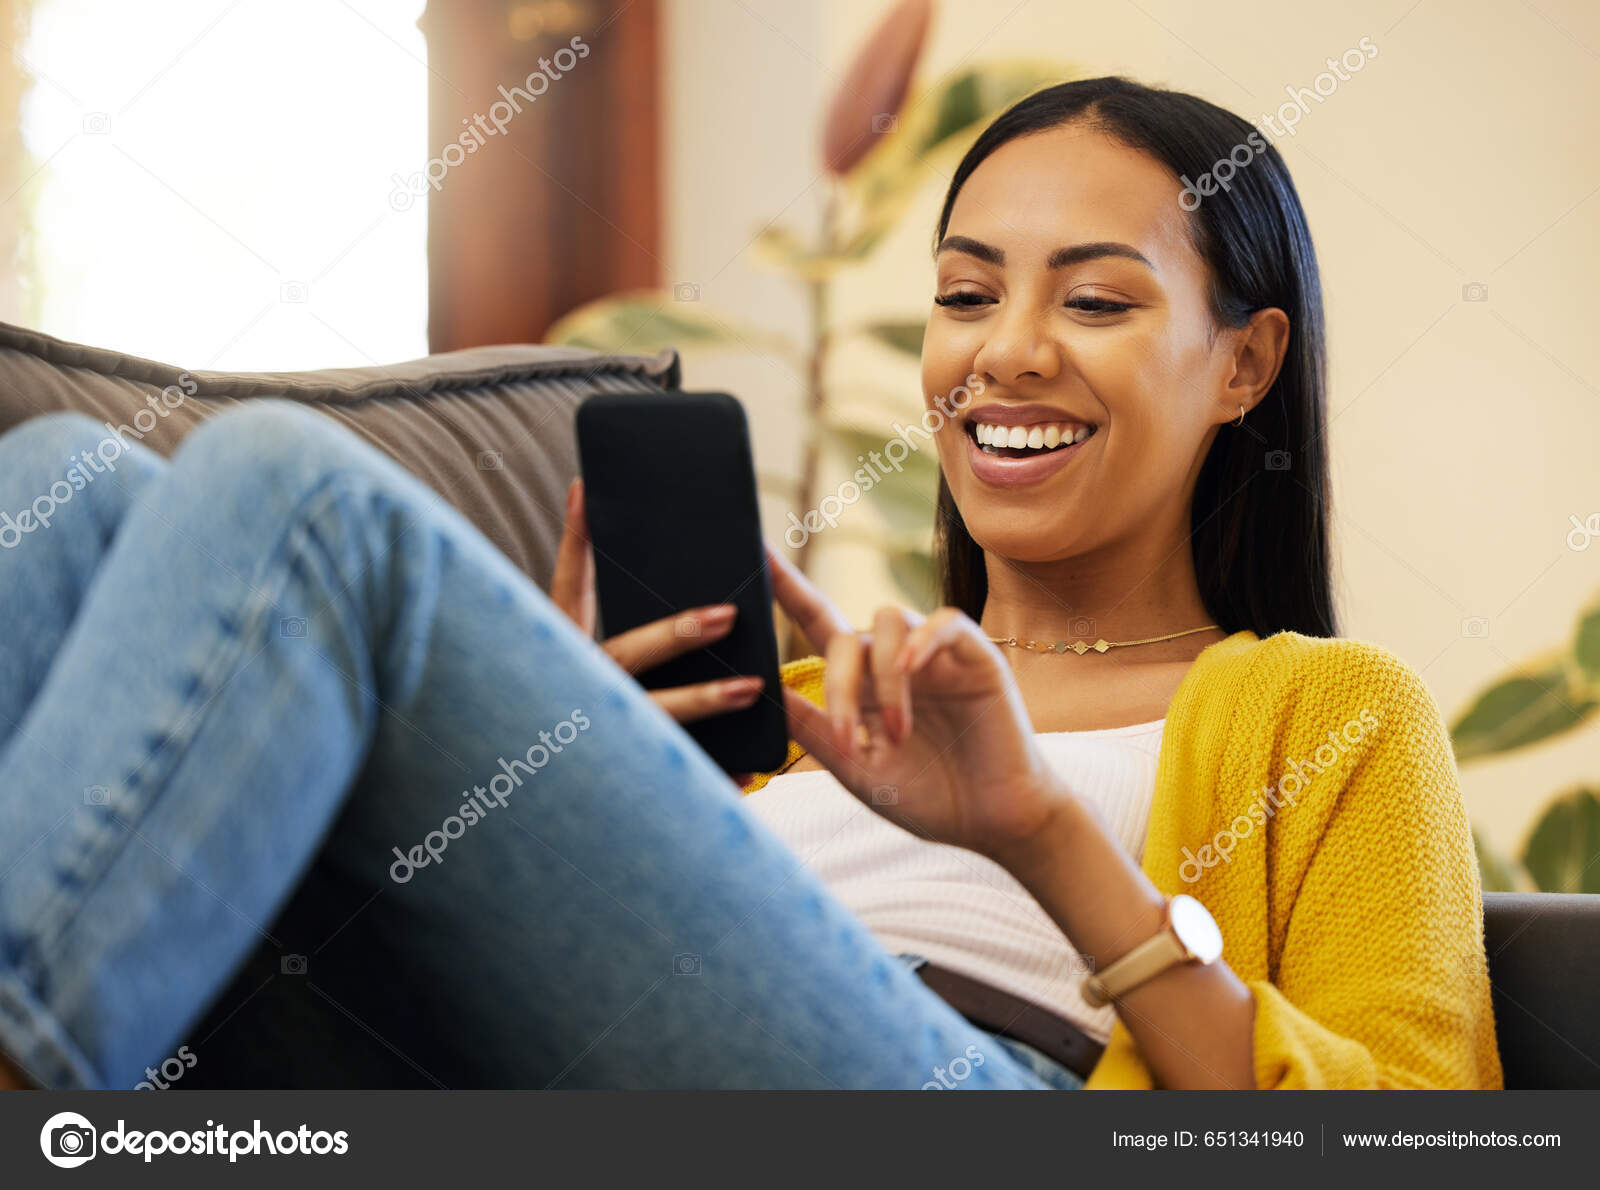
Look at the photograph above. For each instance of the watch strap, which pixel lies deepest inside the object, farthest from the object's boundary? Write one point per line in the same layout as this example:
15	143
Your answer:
1144	962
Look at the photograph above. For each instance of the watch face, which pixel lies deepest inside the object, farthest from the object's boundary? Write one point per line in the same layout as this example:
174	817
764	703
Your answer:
1196	928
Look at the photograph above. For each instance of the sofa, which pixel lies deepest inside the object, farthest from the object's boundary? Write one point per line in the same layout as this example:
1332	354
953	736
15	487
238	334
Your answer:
491	429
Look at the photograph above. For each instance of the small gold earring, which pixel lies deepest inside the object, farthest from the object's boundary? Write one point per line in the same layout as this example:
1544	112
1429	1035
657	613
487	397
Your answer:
1240	422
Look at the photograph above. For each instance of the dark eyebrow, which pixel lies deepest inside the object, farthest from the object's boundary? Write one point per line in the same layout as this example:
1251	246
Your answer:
1059	259
972	247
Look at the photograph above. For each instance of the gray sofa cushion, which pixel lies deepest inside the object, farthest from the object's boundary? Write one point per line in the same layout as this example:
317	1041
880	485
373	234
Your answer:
1544	964
489	428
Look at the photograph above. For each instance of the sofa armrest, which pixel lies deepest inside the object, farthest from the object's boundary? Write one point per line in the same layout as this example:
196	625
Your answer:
1544	965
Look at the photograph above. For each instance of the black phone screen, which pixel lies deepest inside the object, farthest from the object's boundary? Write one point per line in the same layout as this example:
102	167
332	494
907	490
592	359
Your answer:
670	492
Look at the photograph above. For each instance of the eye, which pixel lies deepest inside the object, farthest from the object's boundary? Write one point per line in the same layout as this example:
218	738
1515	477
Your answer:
1092	305
962	299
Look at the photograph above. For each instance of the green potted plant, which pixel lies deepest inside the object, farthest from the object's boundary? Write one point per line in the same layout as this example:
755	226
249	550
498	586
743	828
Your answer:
1551	694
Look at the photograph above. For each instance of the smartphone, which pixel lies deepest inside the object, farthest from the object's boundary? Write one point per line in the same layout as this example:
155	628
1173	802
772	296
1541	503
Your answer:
670	492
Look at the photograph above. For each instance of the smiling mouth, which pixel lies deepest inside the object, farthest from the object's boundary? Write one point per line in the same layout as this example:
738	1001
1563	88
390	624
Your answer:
1039	440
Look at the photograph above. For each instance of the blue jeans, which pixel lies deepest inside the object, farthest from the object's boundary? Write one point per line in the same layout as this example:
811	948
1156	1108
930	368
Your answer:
278	661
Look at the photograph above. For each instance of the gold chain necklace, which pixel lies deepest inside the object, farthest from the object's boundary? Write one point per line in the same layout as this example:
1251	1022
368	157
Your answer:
1080	647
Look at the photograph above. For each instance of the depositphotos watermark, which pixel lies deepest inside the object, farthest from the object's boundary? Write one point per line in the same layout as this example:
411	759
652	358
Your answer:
171	1071
160	405
958	1072
1291	784
86	465
1582	532
830	507
480	127
1289	113
69	1140
480	801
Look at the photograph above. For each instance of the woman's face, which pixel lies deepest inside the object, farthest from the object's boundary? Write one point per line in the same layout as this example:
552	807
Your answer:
1068	286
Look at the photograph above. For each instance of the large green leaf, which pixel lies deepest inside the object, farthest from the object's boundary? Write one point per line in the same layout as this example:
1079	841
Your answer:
913	574
1545	697
936	127
903	491
645	321
1586	645
779	247
1563	852
902	336
1495	871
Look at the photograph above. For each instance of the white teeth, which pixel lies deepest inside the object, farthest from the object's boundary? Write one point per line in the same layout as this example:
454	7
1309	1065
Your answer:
1036	437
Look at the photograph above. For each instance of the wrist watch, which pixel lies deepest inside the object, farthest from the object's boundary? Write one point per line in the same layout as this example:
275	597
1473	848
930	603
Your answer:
1188	935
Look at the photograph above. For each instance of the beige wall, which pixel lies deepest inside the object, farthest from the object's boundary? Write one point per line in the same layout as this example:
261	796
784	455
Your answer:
1464	433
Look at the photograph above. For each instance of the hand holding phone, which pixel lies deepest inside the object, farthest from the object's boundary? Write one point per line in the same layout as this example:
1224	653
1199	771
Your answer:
638	649
670	511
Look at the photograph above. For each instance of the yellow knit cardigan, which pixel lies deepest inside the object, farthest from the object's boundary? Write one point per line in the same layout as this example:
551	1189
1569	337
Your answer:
1349	898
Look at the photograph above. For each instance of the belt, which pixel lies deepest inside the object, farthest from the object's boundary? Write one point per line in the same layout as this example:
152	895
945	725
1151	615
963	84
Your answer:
1011	1016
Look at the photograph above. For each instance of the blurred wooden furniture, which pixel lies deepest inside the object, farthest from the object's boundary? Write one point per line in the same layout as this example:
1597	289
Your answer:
564	205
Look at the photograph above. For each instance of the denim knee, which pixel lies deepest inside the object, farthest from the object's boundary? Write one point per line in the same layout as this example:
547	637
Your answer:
62	466
48	442
275	449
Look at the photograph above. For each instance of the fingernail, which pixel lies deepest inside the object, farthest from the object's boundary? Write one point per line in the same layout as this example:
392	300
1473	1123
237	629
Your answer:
735	689
719	613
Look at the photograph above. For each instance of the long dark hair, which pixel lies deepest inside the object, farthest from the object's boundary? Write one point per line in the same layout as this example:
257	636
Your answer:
1259	528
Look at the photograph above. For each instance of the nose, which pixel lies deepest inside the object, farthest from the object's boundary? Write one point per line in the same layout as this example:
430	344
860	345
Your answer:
1018	348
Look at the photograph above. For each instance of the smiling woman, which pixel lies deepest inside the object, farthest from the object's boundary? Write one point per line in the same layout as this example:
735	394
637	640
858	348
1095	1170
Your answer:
1068	876
1066	261
1119	493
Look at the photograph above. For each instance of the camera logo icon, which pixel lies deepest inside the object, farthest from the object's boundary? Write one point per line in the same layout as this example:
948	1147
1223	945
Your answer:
686	626
885	795
292	964
686	291
1583	532
96	795
97	123
1083	626
294	291
1475	626
884	122
67	1140
686	963
491	460
292	626
1277	460
1474	291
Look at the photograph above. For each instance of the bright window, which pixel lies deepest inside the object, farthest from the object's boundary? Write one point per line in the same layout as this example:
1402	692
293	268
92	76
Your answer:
216	179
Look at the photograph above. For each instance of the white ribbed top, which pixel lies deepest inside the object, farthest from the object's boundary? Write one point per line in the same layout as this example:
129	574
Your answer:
954	906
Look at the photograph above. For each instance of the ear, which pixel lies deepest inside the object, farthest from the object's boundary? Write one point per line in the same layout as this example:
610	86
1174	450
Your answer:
1257	351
